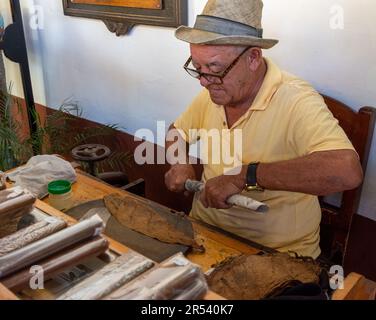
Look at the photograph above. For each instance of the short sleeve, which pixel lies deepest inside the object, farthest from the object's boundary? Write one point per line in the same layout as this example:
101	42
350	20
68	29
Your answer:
313	127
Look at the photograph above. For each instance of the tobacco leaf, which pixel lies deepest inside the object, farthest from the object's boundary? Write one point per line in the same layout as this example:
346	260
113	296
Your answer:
151	220
253	277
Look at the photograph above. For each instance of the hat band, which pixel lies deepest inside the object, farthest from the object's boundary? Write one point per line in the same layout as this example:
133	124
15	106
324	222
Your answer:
225	27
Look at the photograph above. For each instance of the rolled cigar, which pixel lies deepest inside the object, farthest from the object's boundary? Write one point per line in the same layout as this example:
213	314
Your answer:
160	283
196	291
30	234
57	263
236	200
43	248
13	208
14	204
10	193
248	203
122	270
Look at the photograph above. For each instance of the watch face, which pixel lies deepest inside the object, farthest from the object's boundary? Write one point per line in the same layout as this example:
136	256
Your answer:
254	188
250	188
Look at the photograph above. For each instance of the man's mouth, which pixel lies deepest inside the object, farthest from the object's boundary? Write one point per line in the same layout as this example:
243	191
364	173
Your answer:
213	89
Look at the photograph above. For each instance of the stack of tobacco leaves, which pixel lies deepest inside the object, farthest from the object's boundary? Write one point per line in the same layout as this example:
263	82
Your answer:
111	277
14	204
53	254
174	279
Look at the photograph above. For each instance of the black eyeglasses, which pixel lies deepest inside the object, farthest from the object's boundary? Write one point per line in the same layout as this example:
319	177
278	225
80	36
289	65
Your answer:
214	78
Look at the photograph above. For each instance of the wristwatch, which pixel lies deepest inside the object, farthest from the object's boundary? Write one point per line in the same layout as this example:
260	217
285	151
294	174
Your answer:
251	180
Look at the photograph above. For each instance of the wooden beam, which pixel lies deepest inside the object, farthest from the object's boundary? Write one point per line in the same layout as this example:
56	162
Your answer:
142	4
5	294
356	287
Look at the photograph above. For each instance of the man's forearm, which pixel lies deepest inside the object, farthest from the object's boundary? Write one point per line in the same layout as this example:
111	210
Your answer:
319	173
177	155
176	148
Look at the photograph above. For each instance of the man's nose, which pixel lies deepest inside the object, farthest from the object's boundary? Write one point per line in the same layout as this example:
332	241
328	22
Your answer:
204	82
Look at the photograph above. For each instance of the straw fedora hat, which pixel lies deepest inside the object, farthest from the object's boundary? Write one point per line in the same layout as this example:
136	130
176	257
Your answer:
231	22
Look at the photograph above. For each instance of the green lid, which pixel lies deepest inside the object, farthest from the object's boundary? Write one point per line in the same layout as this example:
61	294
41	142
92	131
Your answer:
59	187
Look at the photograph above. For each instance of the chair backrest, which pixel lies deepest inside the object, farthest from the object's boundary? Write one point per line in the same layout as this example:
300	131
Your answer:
335	223
360	251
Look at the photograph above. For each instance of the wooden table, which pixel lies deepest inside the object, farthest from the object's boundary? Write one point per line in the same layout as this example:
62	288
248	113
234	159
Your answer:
218	244
115	246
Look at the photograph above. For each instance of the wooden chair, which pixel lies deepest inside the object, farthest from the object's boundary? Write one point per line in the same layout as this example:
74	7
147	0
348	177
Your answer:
335	222
360	250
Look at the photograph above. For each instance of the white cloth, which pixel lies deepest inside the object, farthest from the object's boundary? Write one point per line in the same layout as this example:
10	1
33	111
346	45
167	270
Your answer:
39	171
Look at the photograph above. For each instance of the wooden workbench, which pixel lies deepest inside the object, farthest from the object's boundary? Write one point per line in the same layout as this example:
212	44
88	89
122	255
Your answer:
218	245
115	246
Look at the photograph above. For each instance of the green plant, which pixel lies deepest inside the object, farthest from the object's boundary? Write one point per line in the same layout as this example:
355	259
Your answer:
63	128
58	133
14	149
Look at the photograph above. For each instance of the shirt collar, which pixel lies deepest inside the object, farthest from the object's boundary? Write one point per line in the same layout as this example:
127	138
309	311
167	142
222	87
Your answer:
269	86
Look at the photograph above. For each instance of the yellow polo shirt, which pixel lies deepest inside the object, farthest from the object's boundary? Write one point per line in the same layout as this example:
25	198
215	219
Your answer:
288	119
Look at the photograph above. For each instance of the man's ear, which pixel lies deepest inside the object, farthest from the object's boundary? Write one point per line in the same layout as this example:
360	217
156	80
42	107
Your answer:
254	58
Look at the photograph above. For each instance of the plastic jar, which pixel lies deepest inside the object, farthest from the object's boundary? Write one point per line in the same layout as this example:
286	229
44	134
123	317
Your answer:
60	194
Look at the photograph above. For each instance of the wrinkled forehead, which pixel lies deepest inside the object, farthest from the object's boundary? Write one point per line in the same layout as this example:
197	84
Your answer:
218	49
209	53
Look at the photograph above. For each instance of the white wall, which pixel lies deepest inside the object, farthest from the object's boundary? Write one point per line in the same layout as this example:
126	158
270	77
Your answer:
35	59
138	79
338	62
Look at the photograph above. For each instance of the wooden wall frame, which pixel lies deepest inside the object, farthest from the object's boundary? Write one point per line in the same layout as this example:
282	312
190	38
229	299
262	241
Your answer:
120	16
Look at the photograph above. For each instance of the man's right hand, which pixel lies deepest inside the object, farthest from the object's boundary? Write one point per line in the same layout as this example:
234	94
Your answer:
179	173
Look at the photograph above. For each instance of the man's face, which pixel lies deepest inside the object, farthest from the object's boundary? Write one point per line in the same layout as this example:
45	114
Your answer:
236	84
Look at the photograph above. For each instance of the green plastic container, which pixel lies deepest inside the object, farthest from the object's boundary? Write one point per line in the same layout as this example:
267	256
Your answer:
60	194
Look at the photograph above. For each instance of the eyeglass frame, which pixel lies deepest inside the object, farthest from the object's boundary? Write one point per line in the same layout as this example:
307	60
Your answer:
217	76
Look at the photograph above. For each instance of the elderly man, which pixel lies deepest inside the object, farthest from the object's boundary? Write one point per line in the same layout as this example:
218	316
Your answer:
292	147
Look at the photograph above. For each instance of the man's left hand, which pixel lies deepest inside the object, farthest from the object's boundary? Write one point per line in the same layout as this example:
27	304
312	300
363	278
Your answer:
219	189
